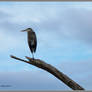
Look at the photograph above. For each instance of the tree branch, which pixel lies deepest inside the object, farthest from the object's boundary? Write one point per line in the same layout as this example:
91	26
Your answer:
47	67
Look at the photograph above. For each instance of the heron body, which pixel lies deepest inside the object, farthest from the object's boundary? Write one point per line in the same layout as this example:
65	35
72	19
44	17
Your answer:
32	40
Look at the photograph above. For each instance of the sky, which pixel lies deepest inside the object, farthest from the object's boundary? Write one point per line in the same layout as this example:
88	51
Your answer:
64	40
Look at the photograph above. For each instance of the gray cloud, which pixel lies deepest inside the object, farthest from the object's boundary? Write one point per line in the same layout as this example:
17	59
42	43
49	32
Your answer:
31	81
73	23
64	22
41	80
78	71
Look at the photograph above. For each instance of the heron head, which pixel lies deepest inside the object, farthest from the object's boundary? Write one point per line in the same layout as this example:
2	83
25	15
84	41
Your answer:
26	30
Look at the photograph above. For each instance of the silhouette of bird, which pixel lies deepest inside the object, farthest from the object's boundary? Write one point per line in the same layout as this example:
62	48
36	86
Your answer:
32	40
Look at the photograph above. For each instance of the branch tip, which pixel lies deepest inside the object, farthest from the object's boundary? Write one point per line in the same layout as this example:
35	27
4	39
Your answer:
11	56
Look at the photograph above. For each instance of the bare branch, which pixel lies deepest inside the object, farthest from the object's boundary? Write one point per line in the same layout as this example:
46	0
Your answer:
47	67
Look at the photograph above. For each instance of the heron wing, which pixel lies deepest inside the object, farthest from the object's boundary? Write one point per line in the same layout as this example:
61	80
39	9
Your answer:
32	42
35	42
30	46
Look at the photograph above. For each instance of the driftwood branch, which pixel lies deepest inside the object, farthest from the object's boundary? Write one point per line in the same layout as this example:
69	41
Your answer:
47	67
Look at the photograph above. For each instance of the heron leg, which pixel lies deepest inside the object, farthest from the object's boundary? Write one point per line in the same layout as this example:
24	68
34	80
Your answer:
32	55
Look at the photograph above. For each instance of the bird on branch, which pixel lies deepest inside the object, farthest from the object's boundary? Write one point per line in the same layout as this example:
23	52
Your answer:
32	40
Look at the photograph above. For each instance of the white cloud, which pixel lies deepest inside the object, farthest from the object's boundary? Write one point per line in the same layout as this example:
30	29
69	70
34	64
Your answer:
8	42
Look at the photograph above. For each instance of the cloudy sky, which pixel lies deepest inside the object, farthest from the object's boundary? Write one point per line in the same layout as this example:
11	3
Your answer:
64	35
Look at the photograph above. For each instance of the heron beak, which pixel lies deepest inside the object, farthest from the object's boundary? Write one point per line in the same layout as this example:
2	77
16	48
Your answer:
23	30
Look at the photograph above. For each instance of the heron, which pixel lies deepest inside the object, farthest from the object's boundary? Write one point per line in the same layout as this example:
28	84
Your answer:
32	40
